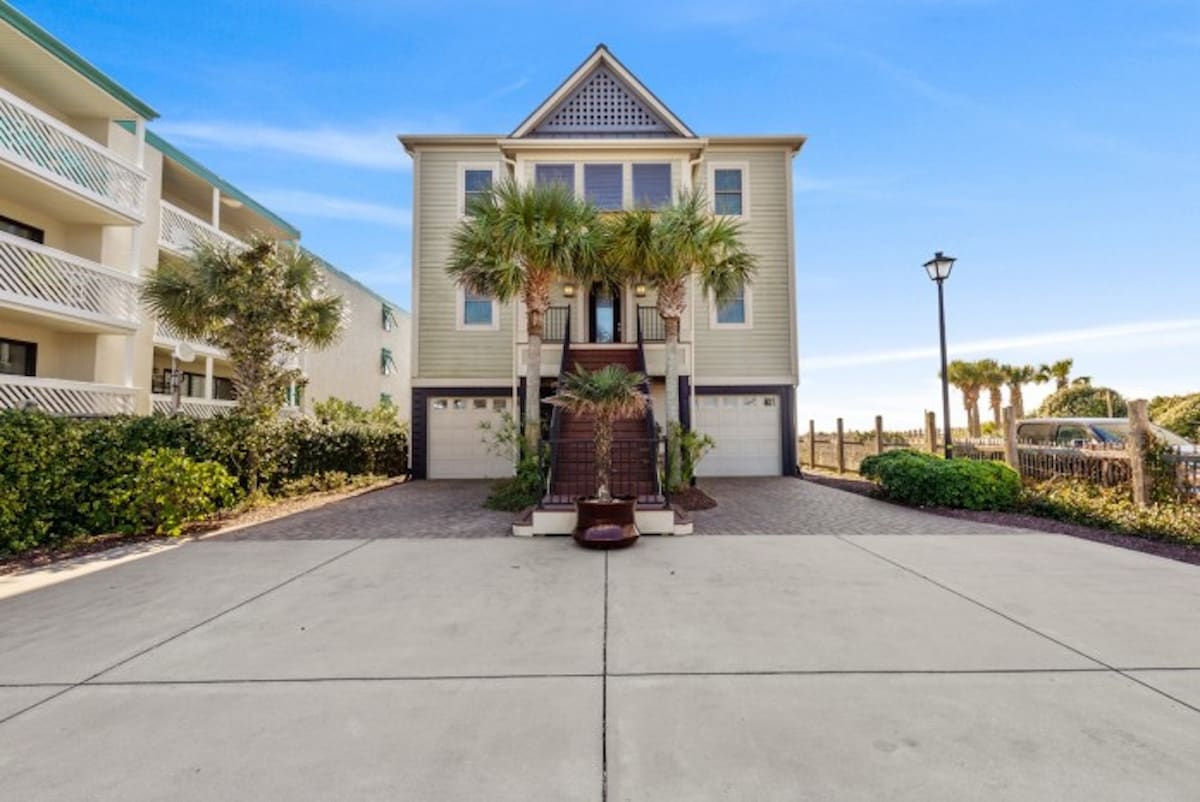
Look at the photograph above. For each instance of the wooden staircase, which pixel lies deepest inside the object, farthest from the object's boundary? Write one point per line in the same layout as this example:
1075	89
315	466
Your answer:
635	443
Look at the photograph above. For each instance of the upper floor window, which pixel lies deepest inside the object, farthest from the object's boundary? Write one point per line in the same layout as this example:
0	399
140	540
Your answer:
651	185
476	310
476	181
389	318
727	191
387	362
604	185
728	188
736	311
18	358
547	174
19	229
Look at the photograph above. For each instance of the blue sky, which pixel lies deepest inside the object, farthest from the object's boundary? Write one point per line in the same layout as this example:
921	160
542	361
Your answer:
1051	147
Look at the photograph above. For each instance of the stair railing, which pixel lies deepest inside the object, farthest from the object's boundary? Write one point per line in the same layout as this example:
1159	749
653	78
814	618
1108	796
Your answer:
557	414
651	428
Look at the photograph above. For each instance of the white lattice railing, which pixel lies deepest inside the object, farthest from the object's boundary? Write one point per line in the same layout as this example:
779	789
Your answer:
35	276
178	230
45	146
192	407
61	397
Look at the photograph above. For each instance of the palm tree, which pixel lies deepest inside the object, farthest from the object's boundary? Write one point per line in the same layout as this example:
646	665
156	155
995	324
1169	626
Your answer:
262	303
1060	371
991	376
1015	376
966	377
665	249
515	243
609	394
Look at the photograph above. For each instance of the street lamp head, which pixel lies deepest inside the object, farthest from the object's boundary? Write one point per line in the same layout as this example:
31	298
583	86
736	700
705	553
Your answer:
939	266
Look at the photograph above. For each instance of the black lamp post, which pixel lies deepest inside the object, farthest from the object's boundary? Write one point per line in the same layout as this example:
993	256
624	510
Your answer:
939	268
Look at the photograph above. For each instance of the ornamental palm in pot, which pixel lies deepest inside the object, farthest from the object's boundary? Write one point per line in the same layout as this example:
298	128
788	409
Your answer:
609	394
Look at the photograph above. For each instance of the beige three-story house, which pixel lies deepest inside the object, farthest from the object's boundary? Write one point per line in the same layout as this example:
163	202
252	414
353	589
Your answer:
605	135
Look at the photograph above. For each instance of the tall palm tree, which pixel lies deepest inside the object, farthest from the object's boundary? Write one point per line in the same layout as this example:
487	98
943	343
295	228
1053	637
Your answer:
262	303
966	377
992	377
1059	371
1016	376
515	243
609	394
665	249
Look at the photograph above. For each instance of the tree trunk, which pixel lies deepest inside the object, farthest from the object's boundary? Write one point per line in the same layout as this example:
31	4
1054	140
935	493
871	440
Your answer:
671	377
1017	399
997	403
537	300
603	456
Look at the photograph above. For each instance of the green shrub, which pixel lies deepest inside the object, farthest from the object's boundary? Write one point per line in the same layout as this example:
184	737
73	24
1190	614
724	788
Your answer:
166	489
1180	414
923	480
693	446
1083	401
528	483
1112	508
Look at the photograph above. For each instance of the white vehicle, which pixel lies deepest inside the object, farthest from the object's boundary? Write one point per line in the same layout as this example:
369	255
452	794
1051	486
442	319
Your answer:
1082	432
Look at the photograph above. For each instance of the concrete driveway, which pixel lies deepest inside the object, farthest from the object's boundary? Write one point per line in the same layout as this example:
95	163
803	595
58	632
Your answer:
830	667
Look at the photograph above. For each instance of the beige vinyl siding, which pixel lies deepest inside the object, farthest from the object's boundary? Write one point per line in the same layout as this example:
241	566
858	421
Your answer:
443	352
765	349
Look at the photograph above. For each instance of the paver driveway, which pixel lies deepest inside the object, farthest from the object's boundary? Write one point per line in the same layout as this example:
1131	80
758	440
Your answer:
294	665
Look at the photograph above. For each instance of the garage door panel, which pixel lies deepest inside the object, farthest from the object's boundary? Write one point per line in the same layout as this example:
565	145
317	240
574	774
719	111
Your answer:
457	447
746	429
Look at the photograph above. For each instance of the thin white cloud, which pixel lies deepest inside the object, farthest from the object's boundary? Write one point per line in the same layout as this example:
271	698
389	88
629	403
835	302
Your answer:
315	204
376	148
1157	334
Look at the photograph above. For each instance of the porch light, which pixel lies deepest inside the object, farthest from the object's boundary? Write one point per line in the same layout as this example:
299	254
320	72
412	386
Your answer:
569	290
939	266
640	290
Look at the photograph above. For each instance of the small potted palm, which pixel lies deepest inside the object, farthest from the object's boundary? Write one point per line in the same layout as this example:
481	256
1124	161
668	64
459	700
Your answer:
609	394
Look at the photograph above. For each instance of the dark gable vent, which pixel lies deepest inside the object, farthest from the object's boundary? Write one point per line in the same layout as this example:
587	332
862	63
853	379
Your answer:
603	106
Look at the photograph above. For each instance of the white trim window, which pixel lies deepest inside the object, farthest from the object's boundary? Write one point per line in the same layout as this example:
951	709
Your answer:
729	189
652	184
545	174
476	312
736	313
604	185
473	181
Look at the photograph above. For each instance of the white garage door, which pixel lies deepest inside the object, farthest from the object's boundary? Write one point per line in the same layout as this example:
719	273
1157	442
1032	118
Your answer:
456	443
746	430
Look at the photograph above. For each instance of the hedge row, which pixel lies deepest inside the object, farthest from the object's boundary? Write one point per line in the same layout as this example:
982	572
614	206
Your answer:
61	478
923	480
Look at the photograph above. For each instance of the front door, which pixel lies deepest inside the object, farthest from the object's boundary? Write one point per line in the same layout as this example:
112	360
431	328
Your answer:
604	313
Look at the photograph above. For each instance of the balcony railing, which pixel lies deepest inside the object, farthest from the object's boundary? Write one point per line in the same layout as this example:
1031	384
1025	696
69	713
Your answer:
62	397
651	324
192	407
37	277
44	146
179	231
554	326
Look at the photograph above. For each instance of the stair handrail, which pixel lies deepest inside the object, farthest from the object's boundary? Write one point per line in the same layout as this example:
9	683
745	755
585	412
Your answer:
651	428
556	415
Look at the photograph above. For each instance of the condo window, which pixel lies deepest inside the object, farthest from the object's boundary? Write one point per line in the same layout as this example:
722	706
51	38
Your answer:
387	362
727	191
18	358
651	185
603	185
475	184
477	309
19	229
547	174
389	318
733	312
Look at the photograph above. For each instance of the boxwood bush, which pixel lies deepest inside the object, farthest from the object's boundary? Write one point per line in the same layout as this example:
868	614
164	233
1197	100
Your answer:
923	480
58	476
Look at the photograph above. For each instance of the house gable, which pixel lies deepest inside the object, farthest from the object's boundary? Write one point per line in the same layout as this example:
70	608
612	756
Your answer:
601	98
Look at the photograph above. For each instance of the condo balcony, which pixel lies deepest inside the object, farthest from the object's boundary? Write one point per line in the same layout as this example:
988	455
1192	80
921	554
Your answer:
64	397
53	166
45	282
179	231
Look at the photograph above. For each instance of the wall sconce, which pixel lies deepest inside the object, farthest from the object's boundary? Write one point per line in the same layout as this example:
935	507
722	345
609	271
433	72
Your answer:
569	290
640	290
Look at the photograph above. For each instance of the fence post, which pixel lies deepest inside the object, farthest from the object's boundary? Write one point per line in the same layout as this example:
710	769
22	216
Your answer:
931	432
878	434
812	443
1011	455
1140	439
841	447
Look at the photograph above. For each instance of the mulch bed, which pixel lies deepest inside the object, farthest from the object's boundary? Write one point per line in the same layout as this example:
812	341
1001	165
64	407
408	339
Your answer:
1172	551
693	498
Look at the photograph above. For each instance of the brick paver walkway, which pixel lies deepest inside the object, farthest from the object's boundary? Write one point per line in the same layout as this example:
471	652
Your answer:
453	509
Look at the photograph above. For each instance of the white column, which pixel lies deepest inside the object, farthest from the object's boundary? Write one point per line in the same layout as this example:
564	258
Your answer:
208	378
127	376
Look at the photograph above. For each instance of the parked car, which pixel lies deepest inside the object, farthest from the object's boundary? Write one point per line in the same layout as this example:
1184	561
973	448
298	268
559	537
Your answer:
1082	432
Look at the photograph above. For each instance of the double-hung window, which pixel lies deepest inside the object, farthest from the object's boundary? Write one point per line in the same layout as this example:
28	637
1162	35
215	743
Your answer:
735	312
728	191
476	310
651	185
475	182
547	174
604	185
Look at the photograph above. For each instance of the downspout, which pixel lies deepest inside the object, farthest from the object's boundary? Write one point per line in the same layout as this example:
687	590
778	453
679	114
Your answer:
693	164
